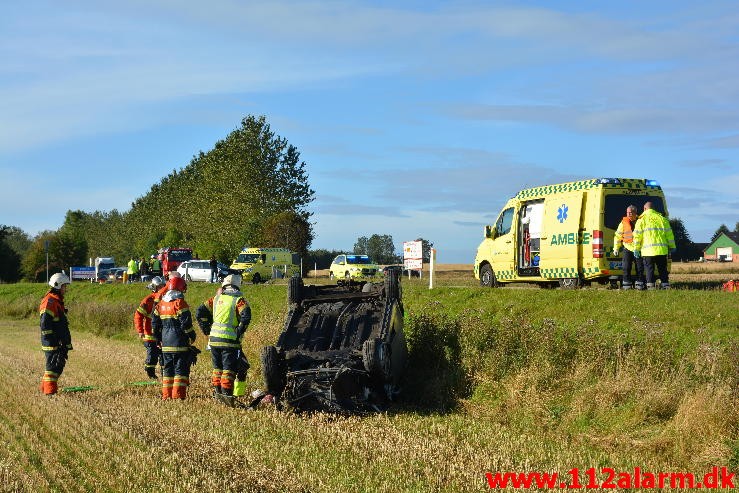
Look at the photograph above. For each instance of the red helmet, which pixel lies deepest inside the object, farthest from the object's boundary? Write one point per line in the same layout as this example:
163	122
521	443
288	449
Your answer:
177	284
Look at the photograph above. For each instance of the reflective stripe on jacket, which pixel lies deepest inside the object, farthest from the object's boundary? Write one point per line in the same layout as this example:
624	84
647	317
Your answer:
54	325
653	235
142	316
231	316
171	323
624	235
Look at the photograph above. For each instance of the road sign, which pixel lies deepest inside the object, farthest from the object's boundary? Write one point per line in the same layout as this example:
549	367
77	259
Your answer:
413	255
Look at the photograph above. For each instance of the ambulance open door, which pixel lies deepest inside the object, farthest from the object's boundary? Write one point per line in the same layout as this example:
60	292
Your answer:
560	236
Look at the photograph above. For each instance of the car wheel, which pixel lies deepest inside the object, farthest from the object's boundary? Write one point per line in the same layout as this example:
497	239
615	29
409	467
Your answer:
347	276
331	275
256	279
376	358
274	377
188	278
392	286
487	277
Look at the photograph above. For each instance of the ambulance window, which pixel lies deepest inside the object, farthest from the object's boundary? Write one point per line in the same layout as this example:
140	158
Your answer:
616	204
503	226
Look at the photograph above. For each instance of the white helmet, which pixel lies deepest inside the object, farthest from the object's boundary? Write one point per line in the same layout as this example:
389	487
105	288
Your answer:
155	284
232	280
58	280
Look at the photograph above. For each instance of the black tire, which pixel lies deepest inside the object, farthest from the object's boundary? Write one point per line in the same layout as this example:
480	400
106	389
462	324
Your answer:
487	277
272	367
294	290
569	283
376	358
331	275
347	276
256	279
392	286
188	278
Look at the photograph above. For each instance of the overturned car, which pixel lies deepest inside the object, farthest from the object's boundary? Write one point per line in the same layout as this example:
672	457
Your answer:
342	348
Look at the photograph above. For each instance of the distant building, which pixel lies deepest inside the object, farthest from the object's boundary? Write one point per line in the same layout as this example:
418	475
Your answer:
724	248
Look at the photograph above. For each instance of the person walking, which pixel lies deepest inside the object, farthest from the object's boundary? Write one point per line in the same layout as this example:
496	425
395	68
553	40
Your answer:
225	318
653	239
171	324
142	323
213	269
625	238
56	340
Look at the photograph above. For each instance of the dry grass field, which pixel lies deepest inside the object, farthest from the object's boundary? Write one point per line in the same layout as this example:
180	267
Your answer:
498	380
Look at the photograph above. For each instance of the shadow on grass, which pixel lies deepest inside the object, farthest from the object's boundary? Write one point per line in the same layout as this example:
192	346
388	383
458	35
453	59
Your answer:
434	380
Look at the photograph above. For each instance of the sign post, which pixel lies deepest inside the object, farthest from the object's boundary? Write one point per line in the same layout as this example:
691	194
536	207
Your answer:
432	261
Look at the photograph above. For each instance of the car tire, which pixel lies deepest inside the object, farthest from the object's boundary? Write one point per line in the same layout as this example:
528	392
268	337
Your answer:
294	290
347	277
392	286
272	367
376	358
487	277
188	278
256	279
331	275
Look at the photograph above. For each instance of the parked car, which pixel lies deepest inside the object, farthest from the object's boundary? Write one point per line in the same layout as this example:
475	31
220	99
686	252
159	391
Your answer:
350	268
199	270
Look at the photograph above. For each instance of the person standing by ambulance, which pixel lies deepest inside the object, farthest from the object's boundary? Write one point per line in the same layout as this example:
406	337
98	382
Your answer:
625	238
653	239
56	340
142	322
225	318
171	324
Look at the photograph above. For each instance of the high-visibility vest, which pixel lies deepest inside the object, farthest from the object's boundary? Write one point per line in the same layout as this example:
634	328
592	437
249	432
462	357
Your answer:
624	235
225	321
653	235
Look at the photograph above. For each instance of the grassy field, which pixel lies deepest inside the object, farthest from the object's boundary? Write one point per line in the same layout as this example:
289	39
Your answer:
498	380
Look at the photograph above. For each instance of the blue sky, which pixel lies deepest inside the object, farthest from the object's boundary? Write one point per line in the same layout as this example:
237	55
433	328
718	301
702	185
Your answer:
415	119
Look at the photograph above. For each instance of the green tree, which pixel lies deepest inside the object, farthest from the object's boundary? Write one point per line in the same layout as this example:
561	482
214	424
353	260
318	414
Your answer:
322	258
736	228
721	229
33	264
10	260
288	230
380	248
684	246
426	247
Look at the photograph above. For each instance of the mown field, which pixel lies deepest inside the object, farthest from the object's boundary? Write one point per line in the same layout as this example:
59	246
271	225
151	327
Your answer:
512	379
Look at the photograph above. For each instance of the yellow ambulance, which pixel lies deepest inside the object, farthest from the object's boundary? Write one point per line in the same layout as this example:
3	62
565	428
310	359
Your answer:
562	234
261	264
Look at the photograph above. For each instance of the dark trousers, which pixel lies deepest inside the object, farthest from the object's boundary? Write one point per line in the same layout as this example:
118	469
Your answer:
176	364
659	261
628	261
152	354
225	365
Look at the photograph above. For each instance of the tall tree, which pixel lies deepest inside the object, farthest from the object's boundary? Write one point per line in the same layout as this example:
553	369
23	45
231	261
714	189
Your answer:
10	260
34	262
684	246
361	246
426	247
736	228
380	248
721	229
288	230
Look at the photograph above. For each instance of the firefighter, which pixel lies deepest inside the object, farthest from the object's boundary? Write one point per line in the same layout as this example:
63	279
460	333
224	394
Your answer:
142	322
653	239
225	318
171	323
56	340
625	237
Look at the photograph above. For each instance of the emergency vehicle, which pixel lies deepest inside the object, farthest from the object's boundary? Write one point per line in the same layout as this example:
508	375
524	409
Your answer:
562	234
261	264
171	258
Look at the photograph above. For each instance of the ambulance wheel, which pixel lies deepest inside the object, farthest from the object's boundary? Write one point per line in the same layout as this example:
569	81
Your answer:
569	283
487	277
256	279
331	275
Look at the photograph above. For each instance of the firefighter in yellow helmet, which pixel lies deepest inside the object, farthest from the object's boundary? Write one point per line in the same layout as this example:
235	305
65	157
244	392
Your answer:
653	240
56	340
225	318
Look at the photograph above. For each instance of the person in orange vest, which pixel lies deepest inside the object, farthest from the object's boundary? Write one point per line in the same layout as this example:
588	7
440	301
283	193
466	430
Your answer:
625	238
171	324
142	323
56	340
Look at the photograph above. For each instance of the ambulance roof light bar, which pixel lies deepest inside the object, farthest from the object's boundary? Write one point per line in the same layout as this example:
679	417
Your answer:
608	181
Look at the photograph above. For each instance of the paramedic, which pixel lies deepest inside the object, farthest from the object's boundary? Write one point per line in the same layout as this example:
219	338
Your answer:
625	238
653	239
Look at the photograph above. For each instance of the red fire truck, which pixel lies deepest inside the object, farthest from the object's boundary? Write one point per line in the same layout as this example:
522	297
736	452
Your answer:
172	257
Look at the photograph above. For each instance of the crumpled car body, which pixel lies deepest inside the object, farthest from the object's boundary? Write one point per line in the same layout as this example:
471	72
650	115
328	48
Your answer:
342	348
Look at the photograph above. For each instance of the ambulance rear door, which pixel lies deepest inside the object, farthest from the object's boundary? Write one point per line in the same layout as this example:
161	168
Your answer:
561	236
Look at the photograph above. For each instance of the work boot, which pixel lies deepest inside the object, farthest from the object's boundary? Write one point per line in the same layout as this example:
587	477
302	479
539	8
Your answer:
228	400
151	373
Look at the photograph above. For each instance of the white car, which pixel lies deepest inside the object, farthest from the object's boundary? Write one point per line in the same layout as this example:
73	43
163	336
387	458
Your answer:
195	270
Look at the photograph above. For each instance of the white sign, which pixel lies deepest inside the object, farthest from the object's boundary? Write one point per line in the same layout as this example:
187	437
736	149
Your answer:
413	255
413	263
